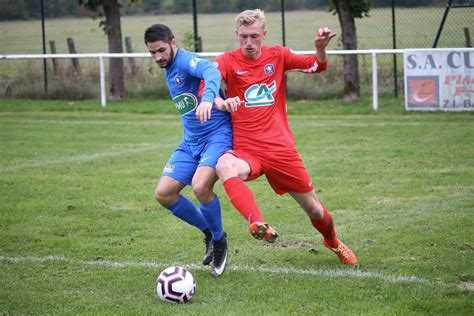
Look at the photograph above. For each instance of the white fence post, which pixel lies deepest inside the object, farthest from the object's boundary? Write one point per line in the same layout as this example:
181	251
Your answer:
375	86
103	97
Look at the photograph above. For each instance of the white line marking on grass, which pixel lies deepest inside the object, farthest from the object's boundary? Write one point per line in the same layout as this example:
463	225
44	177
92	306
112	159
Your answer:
334	273
149	264
113	152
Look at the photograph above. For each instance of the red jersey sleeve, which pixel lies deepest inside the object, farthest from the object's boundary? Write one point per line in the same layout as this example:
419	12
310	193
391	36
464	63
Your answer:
201	89
302	63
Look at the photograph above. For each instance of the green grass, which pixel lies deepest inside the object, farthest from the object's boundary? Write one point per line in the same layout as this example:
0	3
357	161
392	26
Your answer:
77	187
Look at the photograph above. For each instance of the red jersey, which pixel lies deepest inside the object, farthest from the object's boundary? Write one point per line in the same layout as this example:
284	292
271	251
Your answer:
261	123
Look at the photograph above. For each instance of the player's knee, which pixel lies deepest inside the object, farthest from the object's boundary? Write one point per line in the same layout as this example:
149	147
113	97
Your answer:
163	197
315	212
160	196
202	191
224	166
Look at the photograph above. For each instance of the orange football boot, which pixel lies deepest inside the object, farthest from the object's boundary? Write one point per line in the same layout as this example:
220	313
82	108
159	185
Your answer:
261	230
343	252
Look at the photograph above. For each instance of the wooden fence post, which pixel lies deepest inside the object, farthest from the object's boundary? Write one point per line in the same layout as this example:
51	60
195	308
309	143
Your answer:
131	60
72	50
467	36
52	45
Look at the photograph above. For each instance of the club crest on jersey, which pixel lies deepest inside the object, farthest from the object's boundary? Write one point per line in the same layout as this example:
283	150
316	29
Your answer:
269	69
260	94
185	103
178	81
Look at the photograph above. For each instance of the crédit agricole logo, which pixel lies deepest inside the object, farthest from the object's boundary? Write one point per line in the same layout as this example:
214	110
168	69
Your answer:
260	94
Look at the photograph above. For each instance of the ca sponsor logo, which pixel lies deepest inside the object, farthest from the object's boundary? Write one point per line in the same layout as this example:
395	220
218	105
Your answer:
168	168
260	94
185	103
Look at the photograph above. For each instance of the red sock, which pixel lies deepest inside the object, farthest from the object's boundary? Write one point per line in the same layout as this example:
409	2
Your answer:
243	200
325	226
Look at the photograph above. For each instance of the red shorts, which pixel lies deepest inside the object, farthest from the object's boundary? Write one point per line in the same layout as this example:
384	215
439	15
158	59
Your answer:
284	170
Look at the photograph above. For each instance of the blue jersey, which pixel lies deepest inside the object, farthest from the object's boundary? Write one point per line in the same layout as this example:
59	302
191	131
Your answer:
183	77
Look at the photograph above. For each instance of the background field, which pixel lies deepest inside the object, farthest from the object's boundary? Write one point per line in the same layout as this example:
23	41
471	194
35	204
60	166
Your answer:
80	232
415	27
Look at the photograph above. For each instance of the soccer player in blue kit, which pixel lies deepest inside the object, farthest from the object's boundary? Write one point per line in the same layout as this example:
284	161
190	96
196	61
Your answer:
207	135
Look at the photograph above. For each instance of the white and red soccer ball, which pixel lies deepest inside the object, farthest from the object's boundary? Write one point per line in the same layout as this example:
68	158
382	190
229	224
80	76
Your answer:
175	285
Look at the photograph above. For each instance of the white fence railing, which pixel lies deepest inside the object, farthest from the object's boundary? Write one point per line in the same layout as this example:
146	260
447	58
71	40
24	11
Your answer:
373	52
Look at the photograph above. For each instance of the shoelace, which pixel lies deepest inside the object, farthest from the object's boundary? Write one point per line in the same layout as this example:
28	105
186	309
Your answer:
342	250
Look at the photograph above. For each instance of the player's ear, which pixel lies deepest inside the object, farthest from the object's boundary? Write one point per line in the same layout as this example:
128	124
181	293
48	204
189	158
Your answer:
173	44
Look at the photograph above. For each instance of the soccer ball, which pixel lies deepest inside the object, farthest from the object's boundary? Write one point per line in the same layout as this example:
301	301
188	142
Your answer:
175	285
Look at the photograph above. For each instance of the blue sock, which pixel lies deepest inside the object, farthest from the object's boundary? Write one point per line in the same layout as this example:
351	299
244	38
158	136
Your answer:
185	210
212	213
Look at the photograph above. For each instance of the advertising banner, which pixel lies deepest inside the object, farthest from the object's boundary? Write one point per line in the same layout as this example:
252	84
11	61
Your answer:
439	79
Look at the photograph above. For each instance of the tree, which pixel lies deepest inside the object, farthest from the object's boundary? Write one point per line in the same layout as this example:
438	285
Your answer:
10	10
112	27
347	10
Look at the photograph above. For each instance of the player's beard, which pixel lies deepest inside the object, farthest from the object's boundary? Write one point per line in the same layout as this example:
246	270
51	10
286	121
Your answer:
169	60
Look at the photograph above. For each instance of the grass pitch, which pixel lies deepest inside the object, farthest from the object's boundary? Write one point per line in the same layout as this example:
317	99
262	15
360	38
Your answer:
81	233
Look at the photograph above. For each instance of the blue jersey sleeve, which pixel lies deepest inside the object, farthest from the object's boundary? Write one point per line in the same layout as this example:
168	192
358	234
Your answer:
203	69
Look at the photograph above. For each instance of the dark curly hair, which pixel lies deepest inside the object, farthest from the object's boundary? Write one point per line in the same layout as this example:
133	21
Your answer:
158	32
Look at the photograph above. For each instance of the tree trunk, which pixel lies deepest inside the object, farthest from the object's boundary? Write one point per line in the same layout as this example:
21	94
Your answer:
349	41
114	38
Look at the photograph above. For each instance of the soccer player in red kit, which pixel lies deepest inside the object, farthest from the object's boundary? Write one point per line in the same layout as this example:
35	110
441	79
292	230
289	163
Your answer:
263	142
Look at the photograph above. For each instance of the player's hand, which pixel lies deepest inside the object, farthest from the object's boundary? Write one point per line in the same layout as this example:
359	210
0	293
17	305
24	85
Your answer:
229	104
323	37
203	111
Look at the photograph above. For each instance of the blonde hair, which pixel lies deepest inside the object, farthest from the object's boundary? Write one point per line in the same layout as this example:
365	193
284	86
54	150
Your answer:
249	17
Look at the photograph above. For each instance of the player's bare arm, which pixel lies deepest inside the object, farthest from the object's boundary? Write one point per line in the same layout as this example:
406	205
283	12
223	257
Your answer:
229	104
321	40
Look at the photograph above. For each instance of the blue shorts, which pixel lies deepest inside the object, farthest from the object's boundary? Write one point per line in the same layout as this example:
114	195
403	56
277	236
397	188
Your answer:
187	158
